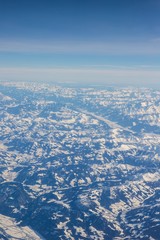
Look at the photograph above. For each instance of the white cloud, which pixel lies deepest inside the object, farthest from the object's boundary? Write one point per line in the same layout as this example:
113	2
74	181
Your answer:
133	48
135	77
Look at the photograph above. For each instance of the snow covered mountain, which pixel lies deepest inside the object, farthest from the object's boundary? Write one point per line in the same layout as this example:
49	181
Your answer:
79	163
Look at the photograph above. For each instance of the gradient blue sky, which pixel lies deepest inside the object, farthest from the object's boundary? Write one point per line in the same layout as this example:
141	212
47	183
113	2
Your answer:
111	41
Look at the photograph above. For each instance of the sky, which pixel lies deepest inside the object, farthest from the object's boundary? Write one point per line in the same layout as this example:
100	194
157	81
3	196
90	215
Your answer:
89	41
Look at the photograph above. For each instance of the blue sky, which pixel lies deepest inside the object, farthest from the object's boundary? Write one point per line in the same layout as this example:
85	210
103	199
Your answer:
109	41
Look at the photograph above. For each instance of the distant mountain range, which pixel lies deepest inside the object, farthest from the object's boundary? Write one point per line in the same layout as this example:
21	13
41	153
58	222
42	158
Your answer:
79	163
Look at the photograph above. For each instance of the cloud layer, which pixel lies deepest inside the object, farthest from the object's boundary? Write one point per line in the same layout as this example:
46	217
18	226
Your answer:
116	76
150	47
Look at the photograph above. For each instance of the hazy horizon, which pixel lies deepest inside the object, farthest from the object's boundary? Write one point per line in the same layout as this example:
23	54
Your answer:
108	42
